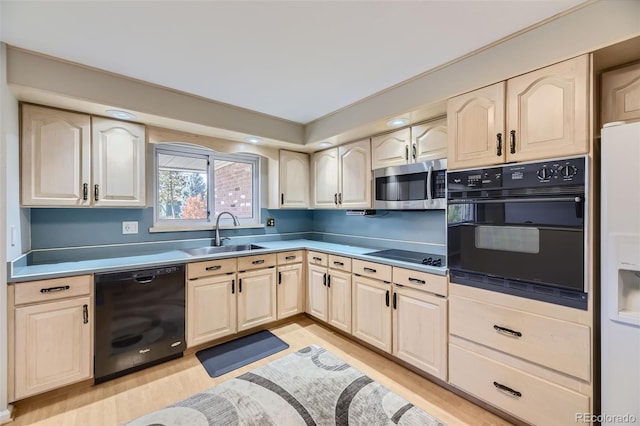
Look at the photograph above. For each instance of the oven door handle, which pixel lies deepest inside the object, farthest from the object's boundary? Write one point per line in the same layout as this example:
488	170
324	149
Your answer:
429	177
576	199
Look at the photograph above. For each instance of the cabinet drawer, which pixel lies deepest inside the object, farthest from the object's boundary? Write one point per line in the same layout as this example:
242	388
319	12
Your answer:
258	261
288	257
315	258
54	289
436	284
210	267
561	345
340	263
372	270
528	397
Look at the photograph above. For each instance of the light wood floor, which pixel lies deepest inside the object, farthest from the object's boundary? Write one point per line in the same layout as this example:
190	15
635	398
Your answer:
123	399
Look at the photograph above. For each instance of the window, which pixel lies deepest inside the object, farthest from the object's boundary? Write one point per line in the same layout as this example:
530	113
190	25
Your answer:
194	185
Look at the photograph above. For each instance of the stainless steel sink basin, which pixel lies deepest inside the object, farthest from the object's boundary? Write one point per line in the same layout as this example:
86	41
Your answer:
203	251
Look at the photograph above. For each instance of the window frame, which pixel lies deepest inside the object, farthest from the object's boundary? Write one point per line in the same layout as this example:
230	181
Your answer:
188	150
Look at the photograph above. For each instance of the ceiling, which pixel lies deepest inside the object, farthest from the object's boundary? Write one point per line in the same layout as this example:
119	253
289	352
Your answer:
295	60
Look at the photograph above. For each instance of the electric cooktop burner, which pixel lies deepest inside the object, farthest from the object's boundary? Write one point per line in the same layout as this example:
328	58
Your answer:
410	256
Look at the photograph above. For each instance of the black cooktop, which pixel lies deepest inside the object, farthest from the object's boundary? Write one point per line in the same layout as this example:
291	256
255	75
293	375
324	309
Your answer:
410	256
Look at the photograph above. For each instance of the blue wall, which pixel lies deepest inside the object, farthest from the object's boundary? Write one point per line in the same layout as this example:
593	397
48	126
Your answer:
411	230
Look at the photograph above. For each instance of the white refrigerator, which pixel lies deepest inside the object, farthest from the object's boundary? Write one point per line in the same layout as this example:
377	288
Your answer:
620	273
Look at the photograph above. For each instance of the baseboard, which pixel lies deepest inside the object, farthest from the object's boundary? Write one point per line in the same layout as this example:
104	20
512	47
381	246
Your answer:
6	416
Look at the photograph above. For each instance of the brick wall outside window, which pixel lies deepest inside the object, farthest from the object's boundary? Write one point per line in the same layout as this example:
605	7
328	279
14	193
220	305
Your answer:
233	188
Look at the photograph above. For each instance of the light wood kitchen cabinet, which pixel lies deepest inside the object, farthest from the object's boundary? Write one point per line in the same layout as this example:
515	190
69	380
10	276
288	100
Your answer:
51	325
371	307
541	114
621	94
256	298
211	300
341	177
391	149
294	179
518	354
420	330
422	142
329	289
72	159
290	285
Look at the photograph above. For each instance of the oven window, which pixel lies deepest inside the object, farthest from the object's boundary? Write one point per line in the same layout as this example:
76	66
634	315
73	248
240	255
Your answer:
508	238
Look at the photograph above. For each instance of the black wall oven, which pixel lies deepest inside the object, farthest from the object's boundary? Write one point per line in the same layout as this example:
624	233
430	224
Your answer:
520	229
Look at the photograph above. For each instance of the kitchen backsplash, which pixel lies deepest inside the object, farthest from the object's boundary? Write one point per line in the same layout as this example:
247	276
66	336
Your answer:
411	230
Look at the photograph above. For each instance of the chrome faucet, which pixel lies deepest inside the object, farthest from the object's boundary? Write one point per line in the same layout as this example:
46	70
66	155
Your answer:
217	242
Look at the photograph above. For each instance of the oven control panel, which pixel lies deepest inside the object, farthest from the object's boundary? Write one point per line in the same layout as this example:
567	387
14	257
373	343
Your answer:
550	173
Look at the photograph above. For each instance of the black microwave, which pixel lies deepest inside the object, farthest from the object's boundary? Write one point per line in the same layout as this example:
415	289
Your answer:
417	186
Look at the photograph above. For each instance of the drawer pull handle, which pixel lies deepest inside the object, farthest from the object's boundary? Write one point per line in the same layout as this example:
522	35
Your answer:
213	268
290	257
85	314
507	389
257	262
417	281
507	331
371	270
52	289
335	262
317	259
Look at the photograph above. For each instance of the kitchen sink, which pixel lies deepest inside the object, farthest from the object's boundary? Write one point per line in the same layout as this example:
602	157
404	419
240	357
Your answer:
202	251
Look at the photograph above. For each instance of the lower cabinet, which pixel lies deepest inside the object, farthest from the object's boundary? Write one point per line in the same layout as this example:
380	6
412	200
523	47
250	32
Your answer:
211	300
420	330
371	301
52	334
329	289
290	290
256	298
339	299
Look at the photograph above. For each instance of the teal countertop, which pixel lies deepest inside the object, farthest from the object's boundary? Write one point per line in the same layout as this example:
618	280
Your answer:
21	270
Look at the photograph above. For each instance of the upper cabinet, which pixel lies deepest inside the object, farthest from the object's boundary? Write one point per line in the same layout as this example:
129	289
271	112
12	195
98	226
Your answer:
621	94
341	177
71	159
541	114
423	142
294	180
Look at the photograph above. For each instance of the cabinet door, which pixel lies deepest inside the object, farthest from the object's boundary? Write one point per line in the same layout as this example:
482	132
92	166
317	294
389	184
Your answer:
475	125
211	308
118	163
256	298
621	94
548	110
429	141
317	292
392	149
355	175
52	345
294	179
56	154
339	299
324	174
372	312
420	330
290	290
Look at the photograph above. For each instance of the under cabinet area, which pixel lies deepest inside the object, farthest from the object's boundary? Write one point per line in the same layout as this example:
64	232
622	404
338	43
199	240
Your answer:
71	159
50	331
541	114
520	354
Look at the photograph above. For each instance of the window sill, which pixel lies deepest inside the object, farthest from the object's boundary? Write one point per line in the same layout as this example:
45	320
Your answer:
155	229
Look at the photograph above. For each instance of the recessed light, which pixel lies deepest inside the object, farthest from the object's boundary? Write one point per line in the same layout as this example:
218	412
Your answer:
398	122
252	139
325	144
123	115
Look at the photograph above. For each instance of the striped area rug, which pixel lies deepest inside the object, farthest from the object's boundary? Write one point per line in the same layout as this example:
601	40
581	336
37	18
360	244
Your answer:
308	387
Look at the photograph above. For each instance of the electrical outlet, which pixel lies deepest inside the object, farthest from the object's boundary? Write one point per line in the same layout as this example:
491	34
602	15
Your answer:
271	221
130	227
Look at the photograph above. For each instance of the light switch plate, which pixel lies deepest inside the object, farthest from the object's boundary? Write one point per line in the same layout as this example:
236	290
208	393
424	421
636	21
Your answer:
130	227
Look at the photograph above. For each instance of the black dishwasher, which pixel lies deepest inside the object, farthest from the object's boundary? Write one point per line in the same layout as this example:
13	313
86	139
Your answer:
140	319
